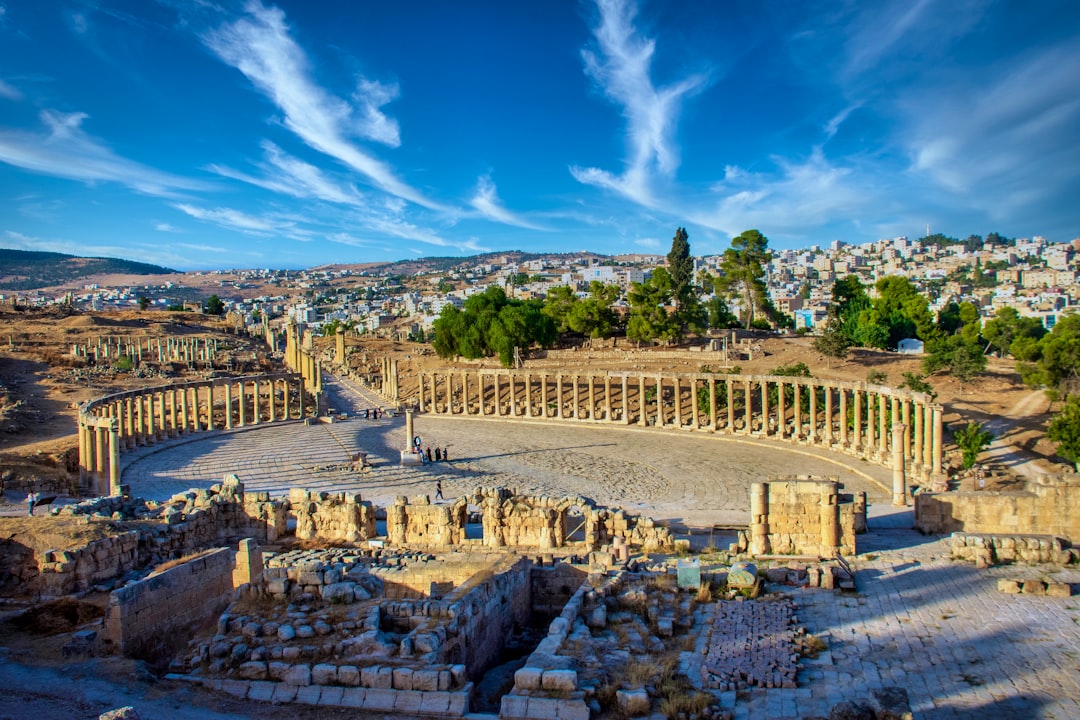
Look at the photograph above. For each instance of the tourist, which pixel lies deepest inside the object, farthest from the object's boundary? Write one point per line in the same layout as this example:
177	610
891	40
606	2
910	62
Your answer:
445	455
31	501
429	453
438	454
438	490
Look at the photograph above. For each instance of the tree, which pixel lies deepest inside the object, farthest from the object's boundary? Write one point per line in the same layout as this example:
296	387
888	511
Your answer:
718	314
594	316
680	266
972	440
649	319
214	306
558	305
1054	361
144	302
1007	326
743	274
1065	431
901	310
832	342
958	356
491	324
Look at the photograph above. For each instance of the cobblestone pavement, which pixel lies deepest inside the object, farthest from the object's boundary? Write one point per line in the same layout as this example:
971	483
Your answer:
691	478
939	629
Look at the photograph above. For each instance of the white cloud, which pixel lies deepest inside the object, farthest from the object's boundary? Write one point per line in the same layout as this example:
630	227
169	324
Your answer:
650	243
235	219
152	254
9	91
283	173
622	69
486	201
166	227
371	95
64	150
259	46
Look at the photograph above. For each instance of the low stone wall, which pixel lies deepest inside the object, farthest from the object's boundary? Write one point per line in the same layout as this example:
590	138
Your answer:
331	516
1043	508
553	584
989	549
803	515
151	618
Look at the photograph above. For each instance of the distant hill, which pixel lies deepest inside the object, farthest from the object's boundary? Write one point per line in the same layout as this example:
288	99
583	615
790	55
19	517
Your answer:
29	270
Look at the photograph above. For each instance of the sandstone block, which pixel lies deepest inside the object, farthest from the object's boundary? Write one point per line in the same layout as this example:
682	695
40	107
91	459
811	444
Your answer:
528	678
402	678
1009	587
277	670
1058	590
632	702
379	699
353	697
309	695
324	674
1034	587
252	670
425	680
514	707
343	592
348	675
564	680
297	675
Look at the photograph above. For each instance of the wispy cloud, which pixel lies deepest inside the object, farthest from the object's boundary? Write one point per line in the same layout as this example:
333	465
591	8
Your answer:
651	243
65	150
166	227
289	175
9	91
622	69
486	201
236	220
260	46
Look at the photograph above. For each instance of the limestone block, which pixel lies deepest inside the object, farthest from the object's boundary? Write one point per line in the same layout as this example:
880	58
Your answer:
1058	590
425	680
407	703
324	674
304	631
633	702
528	678
434	703
379	699
1034	587
297	675
514	707
564	680
353	697
284	693
308	695
278	586
458	675
252	670
261	691
1009	587
330	696
348	675
402	678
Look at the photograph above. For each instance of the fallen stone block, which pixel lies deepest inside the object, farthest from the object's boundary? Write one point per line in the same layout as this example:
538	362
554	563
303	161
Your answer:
1058	590
564	680
1034	587
1009	587
632	702
528	678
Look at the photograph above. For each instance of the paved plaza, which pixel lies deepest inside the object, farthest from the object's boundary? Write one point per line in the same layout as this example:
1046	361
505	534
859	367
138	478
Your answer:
919	621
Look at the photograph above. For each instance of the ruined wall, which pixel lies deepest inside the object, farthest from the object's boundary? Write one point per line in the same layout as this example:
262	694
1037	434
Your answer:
1042	509
331	516
152	617
804	516
436	578
553	585
419	523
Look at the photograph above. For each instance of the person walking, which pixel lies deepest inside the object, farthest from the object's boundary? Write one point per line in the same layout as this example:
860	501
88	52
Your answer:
438	490
429	453
445	455
31	501
438	454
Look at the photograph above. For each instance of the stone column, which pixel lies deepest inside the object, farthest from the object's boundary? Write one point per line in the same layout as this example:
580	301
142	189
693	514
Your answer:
101	456
528	395
759	517
899	476
857	425
749	409
919	413
695	412
184	410
677	388
114	458
272	399
871	425
712	404
906	419
129	419
607	397
140	420
592	397
421	396
829	509
813	435
285	398
730	387
210	406
256	411
625	400
242	404
83	453
797	411
172	414
827	389
937	467
642	418
511	380
577	400
843	417
558	396
228	405
661	413
764	387
883	440
781	409
498	395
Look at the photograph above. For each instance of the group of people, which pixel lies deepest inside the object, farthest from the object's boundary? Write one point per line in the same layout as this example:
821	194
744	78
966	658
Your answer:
372	413
441	455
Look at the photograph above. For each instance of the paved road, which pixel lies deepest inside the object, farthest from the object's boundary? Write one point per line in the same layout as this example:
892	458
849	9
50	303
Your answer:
691	478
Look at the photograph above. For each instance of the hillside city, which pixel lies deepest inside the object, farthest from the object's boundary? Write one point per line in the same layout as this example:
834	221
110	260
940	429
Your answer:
1035	276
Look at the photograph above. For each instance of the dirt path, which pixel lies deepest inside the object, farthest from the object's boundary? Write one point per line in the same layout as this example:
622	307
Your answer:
1008	429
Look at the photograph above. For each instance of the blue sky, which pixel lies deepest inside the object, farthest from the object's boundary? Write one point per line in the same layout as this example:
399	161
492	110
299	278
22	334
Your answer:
201	134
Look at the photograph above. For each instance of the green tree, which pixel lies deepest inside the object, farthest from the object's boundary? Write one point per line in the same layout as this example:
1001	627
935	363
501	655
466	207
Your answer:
491	324
144	302
849	300
972	440
832	342
960	357
558	305
1054	361
214	306
680	266
594	316
917	383
718	314
742	274
1007	326
649	319
901	310
1064	429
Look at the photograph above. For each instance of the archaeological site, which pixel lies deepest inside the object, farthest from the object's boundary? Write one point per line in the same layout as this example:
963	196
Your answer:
287	525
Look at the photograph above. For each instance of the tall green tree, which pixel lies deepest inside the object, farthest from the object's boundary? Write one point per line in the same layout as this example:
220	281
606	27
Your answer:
560	302
680	265
649	319
1064	429
742	274
1054	361
1007	326
214	306
492	324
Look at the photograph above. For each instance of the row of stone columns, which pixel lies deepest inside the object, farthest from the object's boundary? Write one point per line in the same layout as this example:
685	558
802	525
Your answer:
110	425
155	349
848	416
